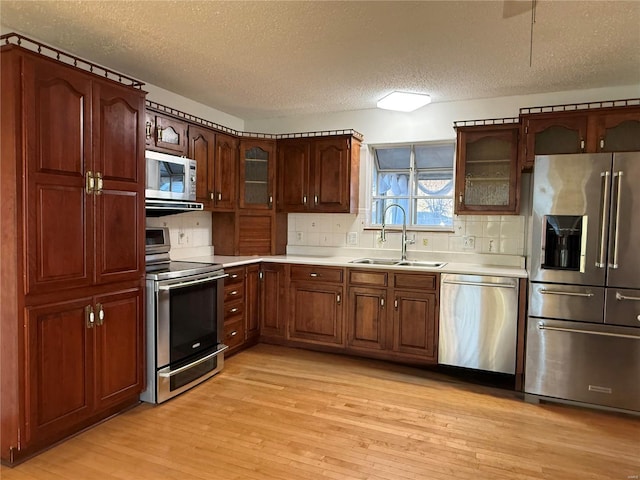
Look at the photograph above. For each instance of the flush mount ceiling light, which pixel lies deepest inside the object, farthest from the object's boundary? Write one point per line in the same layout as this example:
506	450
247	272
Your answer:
403	101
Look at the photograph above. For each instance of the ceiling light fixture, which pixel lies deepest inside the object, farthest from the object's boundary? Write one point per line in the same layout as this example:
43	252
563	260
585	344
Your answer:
404	101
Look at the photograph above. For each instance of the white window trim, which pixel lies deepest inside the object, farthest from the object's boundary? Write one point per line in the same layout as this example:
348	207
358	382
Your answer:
368	172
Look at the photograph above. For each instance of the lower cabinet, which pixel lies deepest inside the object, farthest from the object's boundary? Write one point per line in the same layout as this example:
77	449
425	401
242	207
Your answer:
393	315
274	280
84	356
241	307
316	300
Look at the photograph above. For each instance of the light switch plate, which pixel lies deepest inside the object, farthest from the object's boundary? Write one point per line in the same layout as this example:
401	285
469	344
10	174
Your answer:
352	238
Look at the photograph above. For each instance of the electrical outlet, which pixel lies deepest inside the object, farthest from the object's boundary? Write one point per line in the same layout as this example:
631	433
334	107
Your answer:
469	242
352	238
299	236
425	242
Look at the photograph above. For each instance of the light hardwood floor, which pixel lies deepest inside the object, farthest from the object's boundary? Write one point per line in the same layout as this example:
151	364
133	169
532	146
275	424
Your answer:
280	413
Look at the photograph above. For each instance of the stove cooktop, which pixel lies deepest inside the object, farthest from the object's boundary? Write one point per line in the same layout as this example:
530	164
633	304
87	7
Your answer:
165	271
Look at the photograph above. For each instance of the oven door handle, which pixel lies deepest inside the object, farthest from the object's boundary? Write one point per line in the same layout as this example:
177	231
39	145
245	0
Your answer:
193	364
192	282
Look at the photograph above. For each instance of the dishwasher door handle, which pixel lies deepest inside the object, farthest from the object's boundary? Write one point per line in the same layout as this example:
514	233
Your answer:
481	284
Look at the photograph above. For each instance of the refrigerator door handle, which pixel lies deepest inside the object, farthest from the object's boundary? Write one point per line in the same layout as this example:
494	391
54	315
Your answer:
544	291
619	296
603	221
616	236
542	326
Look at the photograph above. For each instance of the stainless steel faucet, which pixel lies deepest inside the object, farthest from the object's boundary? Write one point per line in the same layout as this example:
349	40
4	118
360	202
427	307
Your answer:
405	240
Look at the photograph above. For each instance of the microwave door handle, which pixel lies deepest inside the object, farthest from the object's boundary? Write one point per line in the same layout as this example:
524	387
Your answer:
192	282
193	364
616	232
603	221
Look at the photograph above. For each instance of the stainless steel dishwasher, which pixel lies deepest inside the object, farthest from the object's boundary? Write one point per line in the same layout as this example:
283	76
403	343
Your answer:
478	322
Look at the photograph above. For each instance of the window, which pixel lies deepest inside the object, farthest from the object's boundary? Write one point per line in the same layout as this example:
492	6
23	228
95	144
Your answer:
417	177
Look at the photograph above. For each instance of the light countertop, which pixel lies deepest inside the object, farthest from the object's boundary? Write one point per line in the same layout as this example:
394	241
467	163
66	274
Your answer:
344	261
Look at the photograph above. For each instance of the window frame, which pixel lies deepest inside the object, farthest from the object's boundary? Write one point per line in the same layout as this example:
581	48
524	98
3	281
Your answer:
413	189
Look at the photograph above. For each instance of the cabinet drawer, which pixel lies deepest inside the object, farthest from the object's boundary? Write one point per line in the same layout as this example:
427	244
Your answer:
233	310
233	333
312	272
419	281
236	276
233	292
368	277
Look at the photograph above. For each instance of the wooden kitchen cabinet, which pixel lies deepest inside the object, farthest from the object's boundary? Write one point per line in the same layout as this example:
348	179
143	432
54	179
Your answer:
225	173
393	315
250	232
202	148
274	300
73	178
318	174
234	309
316	298
564	129
487	173
165	134
257	173
252	303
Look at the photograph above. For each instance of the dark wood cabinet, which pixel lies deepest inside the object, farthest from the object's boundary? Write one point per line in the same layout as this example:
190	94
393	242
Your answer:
567	129
257	174
318	174
166	134
487	173
72	260
249	232
252	303
316	299
234	309
274	300
393	315
202	145
225	173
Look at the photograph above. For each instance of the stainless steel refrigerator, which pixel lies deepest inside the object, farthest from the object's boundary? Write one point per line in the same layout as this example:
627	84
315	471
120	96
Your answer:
583	332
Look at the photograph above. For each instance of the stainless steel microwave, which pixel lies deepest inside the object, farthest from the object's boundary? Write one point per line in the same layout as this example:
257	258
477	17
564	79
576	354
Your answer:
170	177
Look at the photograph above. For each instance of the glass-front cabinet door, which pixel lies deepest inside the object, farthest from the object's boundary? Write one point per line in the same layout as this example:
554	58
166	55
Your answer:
257	159
486	170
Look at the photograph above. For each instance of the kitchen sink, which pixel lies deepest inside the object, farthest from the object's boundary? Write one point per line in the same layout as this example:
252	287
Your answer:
411	263
398	263
375	261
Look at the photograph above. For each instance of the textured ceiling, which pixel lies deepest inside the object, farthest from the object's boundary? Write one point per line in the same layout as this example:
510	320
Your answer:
268	59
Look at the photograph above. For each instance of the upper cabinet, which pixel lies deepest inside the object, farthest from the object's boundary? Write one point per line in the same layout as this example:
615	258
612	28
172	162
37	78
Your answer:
202	145
166	134
577	129
257	173
225	173
487	173
318	174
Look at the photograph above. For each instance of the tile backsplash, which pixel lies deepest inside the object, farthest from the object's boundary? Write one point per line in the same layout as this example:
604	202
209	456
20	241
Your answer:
471	234
190	232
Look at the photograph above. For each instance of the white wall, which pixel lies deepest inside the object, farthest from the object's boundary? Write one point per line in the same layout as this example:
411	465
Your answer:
434	121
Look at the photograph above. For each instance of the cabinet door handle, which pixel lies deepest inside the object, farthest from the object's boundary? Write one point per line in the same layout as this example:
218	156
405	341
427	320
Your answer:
233	310
382	301
313	274
211	195
90	183
260	274
89	316
233	334
304	199
233	275
159	134
100	310
270	201
234	292
395	304
148	129
219	196
460	199
601	143
582	144
338	299
315	199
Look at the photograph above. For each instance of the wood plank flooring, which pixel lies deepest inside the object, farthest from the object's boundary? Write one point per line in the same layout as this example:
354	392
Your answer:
281	413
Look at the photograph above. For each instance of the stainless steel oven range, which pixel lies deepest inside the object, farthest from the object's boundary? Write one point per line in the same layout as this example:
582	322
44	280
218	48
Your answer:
184	321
